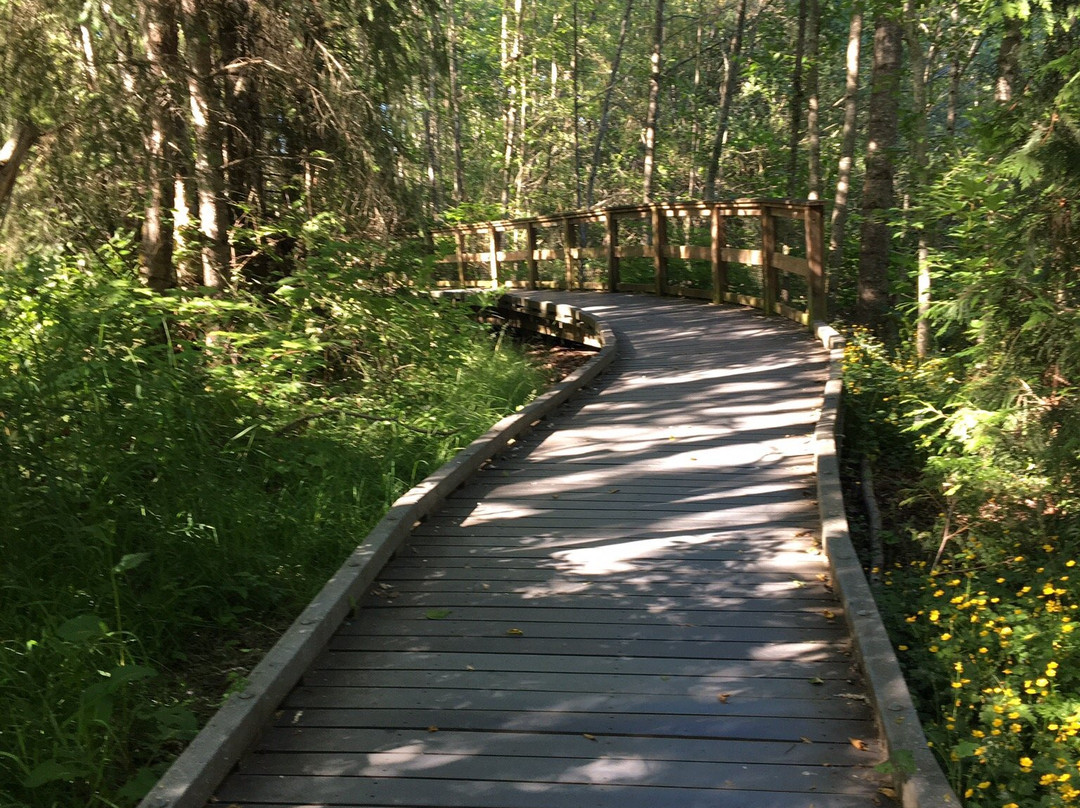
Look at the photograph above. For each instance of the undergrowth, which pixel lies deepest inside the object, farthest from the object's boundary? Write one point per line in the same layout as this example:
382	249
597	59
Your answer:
982	543
181	473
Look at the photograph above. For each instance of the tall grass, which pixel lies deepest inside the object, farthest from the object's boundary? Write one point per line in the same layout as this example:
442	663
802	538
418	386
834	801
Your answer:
178	474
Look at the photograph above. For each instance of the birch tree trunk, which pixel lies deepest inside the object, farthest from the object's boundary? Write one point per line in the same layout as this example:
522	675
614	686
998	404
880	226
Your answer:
838	222
873	305
206	122
653	113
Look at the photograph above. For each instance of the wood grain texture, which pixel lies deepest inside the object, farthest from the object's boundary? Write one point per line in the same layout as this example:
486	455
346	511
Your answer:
627	608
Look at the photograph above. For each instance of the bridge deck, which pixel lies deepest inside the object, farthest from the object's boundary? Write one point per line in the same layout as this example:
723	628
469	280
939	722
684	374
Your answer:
627	610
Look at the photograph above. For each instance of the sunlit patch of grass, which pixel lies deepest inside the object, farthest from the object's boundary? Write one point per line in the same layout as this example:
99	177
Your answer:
179	472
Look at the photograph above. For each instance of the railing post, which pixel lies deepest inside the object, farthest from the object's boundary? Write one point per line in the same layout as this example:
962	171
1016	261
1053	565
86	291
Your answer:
717	242
611	247
770	276
569	241
814	227
493	256
530	255
659	234
459	239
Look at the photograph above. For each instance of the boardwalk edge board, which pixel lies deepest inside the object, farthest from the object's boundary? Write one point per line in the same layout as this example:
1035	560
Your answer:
915	770
192	778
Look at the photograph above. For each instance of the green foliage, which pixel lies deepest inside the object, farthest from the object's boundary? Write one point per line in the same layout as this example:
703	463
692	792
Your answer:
178	471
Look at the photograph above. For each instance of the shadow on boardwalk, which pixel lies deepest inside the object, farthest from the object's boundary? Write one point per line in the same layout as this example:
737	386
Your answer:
627	609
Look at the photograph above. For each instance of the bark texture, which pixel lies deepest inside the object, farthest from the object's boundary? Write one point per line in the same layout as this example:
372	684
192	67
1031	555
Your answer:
873	305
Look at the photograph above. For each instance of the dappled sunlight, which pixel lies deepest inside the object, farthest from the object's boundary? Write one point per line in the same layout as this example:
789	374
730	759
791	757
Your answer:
630	597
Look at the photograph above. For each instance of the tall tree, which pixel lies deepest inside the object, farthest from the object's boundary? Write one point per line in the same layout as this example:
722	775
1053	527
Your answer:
206	118
727	93
874	305
653	113
838	220
795	103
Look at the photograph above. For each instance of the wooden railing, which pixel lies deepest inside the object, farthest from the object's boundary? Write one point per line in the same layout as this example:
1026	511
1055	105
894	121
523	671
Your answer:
779	273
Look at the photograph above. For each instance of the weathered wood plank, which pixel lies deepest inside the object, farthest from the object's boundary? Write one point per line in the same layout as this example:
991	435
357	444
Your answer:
464	660
702	704
710	686
611	747
255	790
827	779
755	727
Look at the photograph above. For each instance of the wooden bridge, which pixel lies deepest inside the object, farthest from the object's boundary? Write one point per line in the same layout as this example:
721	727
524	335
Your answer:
618	599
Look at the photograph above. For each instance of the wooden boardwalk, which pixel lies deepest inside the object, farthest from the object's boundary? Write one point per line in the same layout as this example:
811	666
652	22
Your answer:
627	610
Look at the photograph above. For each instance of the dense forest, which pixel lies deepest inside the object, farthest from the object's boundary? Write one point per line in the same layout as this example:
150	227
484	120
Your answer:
214	372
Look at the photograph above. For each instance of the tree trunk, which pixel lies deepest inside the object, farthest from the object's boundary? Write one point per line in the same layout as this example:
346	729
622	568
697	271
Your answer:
838	222
207	125
873	305
1008	64
920	162
455	106
654	103
14	151
244	136
511	57
605	112
813	132
796	100
727	93
160	33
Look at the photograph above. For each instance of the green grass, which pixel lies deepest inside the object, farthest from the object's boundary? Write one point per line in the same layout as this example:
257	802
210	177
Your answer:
179	475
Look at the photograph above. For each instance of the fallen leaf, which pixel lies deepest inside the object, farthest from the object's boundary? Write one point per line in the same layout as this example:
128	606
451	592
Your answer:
798	584
804	739
469	668
859	744
723	697
554	496
821	576
437	614
515	632
433	728
588	736
829	615
817	680
887	792
853	696
613	491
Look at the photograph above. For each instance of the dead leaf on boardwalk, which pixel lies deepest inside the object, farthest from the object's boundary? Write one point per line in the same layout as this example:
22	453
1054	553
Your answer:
433	728
853	697
469	668
723	697
588	736
887	792
829	615
515	632
817	680
554	496
859	744
437	614
804	739
798	584
613	491
821	576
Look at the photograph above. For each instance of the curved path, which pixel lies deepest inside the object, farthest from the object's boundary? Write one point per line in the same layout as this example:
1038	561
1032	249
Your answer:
629	609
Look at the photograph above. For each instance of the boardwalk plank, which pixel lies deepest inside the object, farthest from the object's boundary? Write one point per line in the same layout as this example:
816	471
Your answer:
626	609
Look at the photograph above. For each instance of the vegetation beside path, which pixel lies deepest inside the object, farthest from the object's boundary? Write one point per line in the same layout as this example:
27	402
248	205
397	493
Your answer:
180	473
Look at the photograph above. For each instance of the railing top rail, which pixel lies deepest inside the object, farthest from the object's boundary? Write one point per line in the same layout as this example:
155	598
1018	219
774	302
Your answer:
743	205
